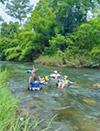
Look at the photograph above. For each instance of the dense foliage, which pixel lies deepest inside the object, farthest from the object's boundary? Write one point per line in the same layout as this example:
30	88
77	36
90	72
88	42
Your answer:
18	9
55	29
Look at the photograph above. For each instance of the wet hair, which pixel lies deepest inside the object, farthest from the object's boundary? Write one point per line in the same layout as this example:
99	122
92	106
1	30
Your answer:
35	78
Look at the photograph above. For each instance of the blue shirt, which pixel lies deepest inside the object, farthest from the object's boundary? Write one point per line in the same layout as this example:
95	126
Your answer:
35	84
62	80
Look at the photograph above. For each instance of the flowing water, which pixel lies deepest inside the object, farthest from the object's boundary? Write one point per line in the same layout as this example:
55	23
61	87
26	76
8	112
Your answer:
76	108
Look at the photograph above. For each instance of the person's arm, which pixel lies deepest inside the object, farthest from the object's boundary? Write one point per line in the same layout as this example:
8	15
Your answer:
34	70
59	74
73	83
41	79
51	75
29	79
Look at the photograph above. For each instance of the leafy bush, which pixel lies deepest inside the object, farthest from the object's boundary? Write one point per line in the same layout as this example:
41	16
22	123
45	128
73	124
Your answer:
50	60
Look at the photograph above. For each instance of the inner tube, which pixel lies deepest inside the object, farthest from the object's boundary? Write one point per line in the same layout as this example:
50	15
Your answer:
34	88
55	77
45	83
29	71
66	85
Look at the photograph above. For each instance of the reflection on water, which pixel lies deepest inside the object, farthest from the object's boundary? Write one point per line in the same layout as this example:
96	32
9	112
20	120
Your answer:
77	107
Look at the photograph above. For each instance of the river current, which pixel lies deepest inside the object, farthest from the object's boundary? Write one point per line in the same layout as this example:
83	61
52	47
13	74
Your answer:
76	108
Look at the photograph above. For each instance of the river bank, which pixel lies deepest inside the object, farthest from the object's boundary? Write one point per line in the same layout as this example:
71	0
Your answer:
8	104
59	61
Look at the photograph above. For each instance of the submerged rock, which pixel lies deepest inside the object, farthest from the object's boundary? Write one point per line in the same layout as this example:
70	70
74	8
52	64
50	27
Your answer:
97	85
89	101
66	114
24	112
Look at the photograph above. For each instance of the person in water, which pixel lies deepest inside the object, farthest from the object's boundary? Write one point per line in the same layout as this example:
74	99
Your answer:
44	80
55	75
34	83
33	71
63	82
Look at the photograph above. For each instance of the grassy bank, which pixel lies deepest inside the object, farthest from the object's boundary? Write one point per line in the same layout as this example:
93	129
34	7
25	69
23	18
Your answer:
8	103
64	61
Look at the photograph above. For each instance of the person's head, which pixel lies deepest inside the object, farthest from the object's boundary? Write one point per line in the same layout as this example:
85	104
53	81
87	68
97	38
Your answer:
55	72
35	78
46	78
65	77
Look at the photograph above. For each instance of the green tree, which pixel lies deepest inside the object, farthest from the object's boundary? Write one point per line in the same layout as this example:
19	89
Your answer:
43	21
71	13
58	43
31	45
87	36
18	9
26	46
9	30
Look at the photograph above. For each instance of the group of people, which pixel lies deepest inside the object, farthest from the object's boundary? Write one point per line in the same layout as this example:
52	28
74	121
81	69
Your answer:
61	81
34	82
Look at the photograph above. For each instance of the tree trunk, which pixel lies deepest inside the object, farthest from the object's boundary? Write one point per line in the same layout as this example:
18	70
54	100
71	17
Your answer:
21	26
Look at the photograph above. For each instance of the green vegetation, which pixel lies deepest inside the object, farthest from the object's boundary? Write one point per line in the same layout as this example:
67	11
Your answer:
8	103
54	29
50	60
18	9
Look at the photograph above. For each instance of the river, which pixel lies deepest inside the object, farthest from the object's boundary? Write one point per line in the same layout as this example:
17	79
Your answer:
76	108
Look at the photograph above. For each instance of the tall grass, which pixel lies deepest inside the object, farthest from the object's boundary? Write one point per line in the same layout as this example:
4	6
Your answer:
8	105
